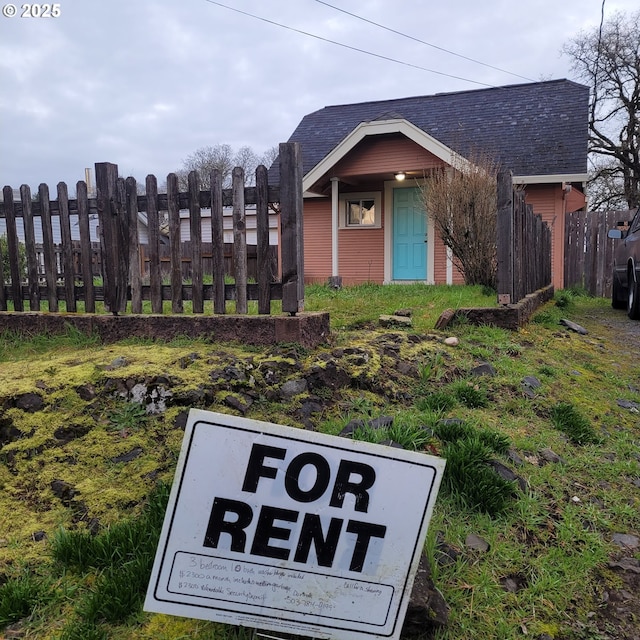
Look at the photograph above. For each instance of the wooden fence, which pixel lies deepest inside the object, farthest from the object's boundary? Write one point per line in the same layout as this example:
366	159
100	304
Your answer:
589	252
523	245
117	205
186	251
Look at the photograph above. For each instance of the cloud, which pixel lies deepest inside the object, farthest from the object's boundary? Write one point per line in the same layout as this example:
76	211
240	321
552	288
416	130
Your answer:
145	83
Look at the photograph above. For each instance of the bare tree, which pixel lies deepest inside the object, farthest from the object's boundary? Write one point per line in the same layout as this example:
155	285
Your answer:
222	157
608	59
462	201
605	187
269	156
204	160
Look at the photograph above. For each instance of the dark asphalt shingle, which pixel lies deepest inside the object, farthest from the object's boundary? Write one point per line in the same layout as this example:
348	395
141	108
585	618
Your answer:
533	129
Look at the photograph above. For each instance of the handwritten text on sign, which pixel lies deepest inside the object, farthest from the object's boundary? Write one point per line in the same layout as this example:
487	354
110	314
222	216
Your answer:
292	531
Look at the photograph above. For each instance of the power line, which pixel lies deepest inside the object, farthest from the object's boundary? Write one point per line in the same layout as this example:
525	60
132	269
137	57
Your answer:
428	44
346	46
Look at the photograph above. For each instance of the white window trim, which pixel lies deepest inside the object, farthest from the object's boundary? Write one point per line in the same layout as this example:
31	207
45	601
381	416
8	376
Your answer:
376	196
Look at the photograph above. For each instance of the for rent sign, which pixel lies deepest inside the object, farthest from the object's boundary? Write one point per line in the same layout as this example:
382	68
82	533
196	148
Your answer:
293	531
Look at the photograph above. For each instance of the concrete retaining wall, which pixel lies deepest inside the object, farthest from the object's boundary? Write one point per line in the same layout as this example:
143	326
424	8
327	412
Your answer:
307	329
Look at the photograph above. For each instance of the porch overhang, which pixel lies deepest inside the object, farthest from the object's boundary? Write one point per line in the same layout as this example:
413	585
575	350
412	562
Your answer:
322	171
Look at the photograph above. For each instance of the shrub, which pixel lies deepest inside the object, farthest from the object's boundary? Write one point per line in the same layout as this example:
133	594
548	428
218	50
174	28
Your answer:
468	476
572	423
22	257
123	553
19	597
438	401
471	396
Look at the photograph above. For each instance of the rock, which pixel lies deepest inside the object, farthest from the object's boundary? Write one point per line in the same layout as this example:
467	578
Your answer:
445	318
63	491
629	404
445	554
506	473
293	388
240	403
181	420
30	402
330	376
427	608
394	321
350	427
72	432
529	385
407	369
532	381
626	540
187	360
626	564
513	583
513	456
383	422
39	536
117	363
452	341
310	407
87	392
472	541
128	457
391	443
572	326
8	433
484	369
403	313
550	456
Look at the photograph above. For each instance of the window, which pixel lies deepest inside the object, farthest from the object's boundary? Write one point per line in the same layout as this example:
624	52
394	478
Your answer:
362	212
358	210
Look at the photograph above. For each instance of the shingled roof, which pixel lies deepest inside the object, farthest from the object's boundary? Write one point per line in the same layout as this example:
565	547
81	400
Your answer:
537	128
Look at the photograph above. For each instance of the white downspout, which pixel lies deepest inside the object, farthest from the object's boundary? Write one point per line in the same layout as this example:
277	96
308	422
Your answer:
449	266
334	227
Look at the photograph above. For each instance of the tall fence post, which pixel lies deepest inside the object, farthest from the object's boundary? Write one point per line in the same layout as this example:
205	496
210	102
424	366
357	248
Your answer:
239	240
291	225
114	236
85	241
12	250
262	240
30	248
505	230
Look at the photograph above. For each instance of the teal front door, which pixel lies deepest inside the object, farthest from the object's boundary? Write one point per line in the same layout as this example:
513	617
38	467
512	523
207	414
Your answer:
409	235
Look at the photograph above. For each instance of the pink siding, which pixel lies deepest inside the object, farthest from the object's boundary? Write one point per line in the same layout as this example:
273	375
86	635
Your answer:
440	269
317	240
362	250
548	202
386	154
361	255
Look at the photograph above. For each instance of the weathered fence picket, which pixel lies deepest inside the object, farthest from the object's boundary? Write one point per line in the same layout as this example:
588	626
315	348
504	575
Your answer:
523	245
589	251
65	269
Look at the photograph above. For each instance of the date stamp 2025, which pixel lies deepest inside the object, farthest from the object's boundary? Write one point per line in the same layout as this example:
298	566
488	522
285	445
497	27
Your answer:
32	10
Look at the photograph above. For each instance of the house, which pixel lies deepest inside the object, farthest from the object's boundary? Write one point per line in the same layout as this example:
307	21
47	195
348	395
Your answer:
363	223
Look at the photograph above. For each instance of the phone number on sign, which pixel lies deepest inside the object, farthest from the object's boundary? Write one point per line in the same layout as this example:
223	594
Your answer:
32	11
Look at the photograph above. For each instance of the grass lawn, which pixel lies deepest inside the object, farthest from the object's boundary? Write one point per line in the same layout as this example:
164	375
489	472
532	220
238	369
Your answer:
79	520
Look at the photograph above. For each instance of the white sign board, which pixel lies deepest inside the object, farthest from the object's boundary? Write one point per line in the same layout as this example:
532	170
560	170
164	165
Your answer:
293	531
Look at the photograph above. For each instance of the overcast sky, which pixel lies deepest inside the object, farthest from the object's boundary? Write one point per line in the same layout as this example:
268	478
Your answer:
144	83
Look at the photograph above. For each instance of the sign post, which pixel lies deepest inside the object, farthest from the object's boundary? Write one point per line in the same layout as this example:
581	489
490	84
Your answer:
292	531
